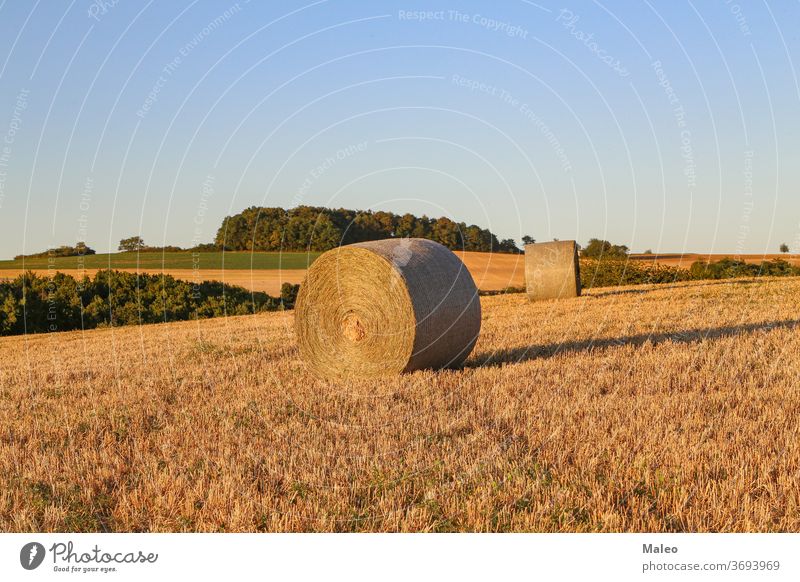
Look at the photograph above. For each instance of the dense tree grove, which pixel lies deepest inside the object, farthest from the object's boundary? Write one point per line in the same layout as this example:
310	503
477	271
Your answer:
34	304
321	229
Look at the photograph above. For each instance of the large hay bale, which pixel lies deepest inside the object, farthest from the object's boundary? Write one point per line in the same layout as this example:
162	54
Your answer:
386	307
552	270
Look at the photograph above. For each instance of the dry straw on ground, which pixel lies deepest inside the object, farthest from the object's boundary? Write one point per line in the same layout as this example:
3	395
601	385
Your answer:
384	307
670	408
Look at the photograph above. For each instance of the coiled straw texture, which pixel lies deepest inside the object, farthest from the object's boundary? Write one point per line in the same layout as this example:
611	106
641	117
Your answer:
386	307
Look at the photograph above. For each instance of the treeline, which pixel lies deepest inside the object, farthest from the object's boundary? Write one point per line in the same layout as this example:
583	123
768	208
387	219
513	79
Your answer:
78	250
617	272
310	228
34	304
136	244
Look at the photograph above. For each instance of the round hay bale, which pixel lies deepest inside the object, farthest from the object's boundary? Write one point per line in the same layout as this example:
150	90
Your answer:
385	307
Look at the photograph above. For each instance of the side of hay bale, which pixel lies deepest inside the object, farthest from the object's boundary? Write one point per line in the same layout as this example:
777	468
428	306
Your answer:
552	270
386	307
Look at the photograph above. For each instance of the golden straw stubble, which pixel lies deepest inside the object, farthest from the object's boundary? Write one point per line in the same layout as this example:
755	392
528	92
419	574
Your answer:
385	307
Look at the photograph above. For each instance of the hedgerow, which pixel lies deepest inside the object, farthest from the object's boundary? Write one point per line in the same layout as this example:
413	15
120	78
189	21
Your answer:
618	272
32	303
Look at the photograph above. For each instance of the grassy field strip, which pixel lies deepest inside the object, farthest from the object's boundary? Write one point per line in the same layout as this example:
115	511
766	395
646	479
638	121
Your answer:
491	271
167	261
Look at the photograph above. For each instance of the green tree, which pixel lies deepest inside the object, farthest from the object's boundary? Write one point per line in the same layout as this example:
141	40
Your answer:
82	249
528	240
405	225
131	244
508	245
784	248
597	249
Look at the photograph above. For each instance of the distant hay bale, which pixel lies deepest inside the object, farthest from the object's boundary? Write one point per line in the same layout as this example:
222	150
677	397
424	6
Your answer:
385	307
552	270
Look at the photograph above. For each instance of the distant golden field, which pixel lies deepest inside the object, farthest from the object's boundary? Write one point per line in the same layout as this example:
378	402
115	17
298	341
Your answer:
491	271
670	408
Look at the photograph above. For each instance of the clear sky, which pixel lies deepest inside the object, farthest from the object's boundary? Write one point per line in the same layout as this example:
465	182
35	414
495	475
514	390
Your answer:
671	126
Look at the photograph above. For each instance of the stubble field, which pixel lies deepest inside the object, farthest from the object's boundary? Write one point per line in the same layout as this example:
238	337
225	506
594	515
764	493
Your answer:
670	408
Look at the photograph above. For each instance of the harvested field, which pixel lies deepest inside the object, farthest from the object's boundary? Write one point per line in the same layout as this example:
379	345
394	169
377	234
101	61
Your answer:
495	271
670	408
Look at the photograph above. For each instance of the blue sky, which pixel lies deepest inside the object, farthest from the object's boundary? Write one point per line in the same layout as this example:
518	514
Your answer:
672	126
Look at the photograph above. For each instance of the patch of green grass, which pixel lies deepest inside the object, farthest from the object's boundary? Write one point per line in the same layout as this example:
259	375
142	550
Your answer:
175	260
41	496
569	517
80	515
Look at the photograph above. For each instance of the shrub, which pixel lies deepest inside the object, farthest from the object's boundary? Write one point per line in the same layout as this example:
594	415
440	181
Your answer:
598	249
613	272
78	250
289	295
730	268
35	304
205	248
